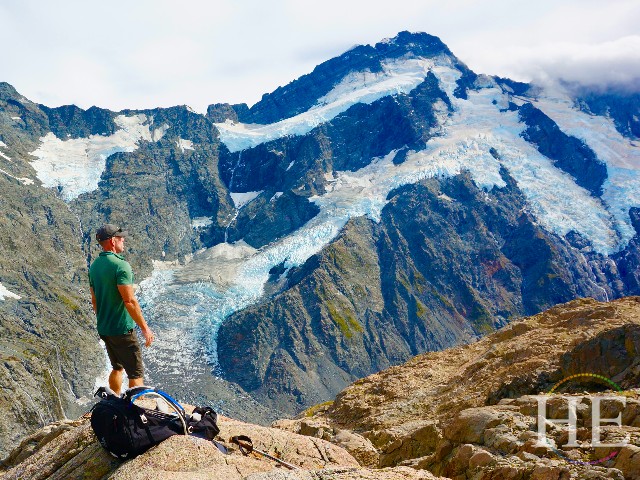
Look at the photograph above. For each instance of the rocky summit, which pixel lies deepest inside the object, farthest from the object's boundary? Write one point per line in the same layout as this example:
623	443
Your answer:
469	412
389	203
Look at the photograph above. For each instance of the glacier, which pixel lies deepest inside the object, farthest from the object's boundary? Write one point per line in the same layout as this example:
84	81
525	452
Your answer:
621	155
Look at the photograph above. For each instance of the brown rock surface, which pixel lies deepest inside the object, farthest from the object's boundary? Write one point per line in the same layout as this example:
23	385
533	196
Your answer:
69	450
469	411
526	357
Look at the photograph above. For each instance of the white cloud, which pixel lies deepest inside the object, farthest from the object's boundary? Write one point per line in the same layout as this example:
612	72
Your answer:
608	63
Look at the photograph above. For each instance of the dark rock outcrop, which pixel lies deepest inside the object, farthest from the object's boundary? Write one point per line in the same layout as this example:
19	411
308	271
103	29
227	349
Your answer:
70	121
628	260
271	216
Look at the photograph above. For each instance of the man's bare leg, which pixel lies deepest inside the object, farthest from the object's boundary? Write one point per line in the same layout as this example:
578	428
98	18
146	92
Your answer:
136	382
115	381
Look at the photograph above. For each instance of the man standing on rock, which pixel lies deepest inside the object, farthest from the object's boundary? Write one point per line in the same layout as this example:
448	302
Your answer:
116	307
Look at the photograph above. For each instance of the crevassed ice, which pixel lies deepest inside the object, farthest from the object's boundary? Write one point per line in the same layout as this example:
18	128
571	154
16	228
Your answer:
397	76
75	165
558	203
476	126
4	292
621	190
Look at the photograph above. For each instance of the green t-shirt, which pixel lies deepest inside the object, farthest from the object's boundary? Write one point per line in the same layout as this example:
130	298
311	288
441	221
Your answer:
107	272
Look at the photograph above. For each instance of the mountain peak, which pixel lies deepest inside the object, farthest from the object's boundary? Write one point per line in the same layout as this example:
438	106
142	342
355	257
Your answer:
301	94
413	42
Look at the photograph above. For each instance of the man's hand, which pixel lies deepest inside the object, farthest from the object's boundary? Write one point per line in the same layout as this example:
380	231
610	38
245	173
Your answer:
133	307
149	337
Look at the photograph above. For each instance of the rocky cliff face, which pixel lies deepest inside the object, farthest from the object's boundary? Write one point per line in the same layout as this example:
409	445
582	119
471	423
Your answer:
50	353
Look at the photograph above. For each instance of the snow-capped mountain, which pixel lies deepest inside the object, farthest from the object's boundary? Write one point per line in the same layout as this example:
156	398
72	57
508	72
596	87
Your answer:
390	202
565	182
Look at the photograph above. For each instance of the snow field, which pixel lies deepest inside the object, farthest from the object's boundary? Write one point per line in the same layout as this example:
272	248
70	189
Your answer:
201	222
4	145
241	199
398	76
75	165
184	144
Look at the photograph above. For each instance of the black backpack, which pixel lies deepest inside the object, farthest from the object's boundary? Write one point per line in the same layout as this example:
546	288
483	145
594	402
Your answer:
127	430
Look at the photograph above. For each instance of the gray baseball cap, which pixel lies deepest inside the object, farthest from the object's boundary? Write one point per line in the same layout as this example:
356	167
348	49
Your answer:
108	231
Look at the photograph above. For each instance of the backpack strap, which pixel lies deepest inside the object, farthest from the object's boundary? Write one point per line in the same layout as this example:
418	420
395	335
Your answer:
134	393
145	424
179	409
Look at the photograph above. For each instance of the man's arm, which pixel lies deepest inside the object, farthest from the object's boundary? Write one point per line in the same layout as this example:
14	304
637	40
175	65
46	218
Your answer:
133	307
93	300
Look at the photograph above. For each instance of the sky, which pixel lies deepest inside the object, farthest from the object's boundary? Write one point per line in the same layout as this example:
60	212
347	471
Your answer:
145	54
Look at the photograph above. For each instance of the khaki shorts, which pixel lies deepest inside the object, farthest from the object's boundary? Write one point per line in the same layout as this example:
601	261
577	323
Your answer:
124	352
